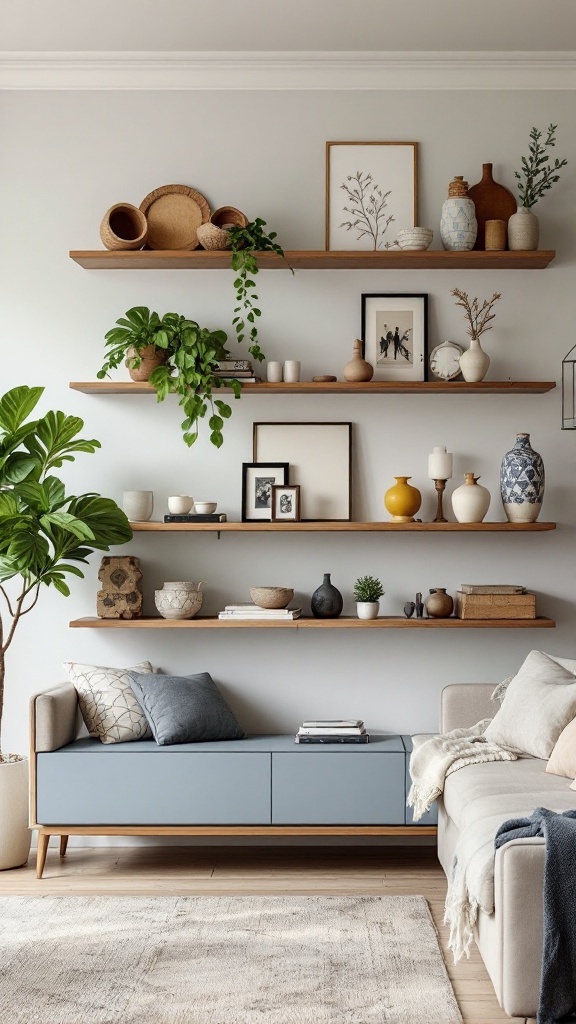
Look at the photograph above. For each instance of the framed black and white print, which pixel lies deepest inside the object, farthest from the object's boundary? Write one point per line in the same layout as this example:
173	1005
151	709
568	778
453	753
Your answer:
286	503
258	479
395	334
371	192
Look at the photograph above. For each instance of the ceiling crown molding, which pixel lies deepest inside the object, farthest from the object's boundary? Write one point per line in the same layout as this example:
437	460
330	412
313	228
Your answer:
292	70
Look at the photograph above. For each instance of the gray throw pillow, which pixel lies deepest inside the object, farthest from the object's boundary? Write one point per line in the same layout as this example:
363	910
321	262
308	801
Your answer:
185	709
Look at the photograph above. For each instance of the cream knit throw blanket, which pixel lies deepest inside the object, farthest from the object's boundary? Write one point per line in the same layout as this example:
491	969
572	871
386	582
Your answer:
471	885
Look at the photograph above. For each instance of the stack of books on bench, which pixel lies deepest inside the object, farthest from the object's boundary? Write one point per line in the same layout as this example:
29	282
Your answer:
253	611
494	601
339	731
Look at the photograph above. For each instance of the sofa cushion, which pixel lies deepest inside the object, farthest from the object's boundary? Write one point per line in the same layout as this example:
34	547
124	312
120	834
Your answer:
538	704
563	757
107	702
185	709
510	788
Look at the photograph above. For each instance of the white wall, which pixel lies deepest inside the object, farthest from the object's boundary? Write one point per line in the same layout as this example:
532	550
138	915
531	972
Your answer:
65	158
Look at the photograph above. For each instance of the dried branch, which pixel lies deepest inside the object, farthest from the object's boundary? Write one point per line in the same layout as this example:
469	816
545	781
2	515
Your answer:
478	316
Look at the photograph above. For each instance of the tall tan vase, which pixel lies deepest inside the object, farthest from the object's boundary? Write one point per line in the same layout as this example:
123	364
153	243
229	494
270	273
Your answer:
14	832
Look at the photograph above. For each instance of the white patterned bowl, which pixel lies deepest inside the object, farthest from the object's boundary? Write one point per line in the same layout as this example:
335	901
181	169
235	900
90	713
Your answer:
415	238
178	604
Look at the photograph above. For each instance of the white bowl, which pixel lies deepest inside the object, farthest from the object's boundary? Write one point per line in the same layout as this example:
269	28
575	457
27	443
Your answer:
180	504
205	507
414	238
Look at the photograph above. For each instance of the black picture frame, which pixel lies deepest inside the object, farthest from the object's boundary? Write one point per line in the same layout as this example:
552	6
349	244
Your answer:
411	306
275	473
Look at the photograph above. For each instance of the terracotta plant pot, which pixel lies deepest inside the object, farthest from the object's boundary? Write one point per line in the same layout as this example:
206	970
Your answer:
123	227
14	832
151	358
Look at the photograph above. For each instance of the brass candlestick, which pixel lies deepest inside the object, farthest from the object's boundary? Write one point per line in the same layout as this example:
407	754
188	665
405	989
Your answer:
440	486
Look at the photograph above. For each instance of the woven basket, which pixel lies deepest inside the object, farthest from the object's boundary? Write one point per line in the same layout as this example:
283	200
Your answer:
229	216
212	237
151	358
123	227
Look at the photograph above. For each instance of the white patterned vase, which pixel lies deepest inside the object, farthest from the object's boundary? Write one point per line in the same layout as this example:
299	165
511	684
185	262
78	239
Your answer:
523	230
522	482
458	226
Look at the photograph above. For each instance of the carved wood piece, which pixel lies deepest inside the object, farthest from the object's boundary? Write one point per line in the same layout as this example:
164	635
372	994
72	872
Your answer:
121	593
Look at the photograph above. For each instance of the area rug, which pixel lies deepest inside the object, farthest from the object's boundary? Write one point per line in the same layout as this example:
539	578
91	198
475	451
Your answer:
222	960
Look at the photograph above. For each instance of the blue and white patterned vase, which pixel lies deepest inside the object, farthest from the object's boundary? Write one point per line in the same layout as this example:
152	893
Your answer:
458	226
522	482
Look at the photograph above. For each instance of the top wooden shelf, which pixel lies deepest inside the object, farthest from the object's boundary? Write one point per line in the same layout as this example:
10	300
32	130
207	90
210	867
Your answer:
309	259
340	387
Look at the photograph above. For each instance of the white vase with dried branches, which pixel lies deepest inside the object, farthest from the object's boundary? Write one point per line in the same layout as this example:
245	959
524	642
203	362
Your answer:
474	362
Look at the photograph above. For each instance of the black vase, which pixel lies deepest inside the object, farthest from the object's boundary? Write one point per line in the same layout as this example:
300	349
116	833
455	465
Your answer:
327	601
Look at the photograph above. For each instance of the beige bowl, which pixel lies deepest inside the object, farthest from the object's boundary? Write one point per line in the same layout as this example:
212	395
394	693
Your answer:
205	507
271	597
415	238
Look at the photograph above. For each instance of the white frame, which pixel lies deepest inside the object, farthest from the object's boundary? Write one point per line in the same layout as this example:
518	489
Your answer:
319	454
373	308
393	167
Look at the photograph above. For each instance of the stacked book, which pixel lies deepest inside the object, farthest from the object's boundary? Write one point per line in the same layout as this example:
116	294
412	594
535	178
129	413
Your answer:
339	731
494	601
237	369
252	611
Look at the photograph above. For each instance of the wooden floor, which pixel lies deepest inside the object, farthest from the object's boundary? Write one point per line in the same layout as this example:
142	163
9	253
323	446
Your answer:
179	870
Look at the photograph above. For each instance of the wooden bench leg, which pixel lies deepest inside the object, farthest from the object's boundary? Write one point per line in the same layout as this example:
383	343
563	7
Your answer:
63	845
43	840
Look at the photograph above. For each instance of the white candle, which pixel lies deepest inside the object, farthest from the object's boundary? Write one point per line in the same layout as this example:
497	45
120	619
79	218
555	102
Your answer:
440	464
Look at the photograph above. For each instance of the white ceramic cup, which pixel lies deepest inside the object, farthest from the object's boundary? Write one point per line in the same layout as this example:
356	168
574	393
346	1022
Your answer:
292	371
138	505
180	504
274	372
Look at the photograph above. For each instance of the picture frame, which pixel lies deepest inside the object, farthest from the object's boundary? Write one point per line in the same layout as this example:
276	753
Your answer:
285	503
371	192
320	459
258	479
394	331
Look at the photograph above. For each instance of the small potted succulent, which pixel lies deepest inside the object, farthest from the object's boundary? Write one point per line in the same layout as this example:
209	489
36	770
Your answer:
367	592
535	178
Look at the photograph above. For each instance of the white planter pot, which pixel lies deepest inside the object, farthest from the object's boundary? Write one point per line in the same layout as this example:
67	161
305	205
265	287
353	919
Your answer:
367	609
14	832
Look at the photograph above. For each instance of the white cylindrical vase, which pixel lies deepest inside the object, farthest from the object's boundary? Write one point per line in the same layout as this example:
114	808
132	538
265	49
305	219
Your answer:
138	505
523	230
14	831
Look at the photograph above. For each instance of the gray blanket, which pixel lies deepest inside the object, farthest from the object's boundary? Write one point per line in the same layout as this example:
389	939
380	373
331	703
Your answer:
558	977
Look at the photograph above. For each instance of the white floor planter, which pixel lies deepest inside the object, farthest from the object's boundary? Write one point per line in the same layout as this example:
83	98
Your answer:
368	609
14	832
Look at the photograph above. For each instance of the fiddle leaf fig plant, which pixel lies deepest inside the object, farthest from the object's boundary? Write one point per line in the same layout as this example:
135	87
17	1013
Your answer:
192	354
43	530
246	243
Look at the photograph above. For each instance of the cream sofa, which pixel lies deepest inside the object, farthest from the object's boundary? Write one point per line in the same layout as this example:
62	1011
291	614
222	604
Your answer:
510	939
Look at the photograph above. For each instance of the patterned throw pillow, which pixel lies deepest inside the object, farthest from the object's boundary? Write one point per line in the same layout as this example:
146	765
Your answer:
107	702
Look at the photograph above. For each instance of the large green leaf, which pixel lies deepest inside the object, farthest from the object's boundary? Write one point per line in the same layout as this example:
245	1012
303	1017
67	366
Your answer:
17	467
16	405
68	523
56	440
102	515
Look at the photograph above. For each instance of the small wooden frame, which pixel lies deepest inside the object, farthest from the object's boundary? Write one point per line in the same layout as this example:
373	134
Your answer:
285	503
258	479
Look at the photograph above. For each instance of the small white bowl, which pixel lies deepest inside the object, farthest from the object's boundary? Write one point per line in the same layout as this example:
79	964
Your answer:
205	507
415	238
180	504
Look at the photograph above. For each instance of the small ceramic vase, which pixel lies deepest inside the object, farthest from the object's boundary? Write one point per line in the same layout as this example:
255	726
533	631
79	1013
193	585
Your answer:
327	601
492	201
358	370
458	226
523	230
367	609
439	604
474	362
402	500
291	371
138	505
522	482
151	358
470	501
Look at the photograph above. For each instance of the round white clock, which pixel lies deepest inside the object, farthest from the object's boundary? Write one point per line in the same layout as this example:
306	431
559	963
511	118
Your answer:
445	360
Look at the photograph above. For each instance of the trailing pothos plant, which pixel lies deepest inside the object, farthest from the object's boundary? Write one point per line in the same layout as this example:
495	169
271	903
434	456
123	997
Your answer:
192	355
42	529
246	243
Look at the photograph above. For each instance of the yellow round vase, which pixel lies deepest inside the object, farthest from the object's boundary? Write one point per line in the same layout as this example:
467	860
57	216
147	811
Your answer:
402	500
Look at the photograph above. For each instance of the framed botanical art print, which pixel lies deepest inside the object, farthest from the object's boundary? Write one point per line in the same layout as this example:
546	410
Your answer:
320	459
258	479
371	192
395	335
286	503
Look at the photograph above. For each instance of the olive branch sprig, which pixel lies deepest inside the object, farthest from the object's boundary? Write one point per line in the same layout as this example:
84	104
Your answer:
478	316
538	174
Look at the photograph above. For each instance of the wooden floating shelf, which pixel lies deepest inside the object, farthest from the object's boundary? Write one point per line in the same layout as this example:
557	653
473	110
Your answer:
344	622
342	527
308	259
309	387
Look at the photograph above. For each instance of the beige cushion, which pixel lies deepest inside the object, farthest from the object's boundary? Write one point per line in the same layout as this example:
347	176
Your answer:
563	757
107	702
538	704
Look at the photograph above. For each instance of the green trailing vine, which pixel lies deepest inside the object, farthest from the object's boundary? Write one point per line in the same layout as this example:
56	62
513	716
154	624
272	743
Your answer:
246	243
538	174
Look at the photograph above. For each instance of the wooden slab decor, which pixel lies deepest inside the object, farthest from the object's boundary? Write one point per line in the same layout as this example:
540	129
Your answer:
121	594
492	202
174	213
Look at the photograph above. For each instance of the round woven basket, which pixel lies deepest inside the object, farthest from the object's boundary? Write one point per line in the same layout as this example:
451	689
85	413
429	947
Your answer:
229	216
212	237
123	227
